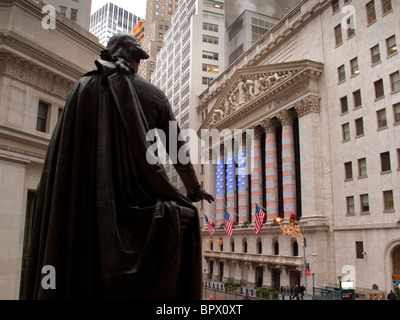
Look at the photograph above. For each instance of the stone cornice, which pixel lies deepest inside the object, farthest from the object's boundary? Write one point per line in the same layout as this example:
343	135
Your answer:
26	71
293	82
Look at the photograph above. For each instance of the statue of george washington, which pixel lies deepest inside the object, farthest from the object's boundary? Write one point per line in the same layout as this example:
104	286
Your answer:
110	223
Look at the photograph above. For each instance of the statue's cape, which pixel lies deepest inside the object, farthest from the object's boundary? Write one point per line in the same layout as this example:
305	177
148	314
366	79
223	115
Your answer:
104	218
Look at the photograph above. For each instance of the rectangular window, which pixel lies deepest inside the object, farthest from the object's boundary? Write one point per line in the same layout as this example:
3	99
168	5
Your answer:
344	104
381	116
341	73
396	112
364	201
398	159
395	81
335	6
41	121
338	35
359	127
385	162
388	202
391	45
351	31
346	132
74	14
350	205
379	91
354	67
375	54
63	10
371	14
386	6
360	250
210	39
210	68
357	99
210	55
362	168
348	168
210	27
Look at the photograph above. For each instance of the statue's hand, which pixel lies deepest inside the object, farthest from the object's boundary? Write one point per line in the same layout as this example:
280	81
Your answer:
200	195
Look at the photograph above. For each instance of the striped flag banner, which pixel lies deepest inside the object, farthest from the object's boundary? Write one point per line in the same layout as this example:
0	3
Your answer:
260	215
229	220
210	224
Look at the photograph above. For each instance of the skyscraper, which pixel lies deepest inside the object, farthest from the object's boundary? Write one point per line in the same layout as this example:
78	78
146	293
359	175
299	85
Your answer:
193	54
111	19
158	21
78	11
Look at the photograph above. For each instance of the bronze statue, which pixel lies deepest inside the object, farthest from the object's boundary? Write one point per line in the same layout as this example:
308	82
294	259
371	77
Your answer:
111	224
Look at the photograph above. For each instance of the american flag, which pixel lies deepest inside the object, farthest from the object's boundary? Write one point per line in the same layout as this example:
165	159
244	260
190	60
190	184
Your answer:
210	224
228	223
260	215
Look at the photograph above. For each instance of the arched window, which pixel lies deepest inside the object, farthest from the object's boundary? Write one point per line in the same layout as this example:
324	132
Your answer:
233	246
244	246
295	249
276	248
259	247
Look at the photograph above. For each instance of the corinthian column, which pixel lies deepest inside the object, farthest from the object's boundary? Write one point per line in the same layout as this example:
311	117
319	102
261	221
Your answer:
288	166
271	173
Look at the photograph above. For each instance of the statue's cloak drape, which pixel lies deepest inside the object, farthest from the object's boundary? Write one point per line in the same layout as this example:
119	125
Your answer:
106	219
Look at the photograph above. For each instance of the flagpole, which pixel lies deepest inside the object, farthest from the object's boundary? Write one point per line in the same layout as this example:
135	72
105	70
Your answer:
231	212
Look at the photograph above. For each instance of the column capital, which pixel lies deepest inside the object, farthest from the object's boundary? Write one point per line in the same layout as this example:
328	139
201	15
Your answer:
286	117
307	105
269	125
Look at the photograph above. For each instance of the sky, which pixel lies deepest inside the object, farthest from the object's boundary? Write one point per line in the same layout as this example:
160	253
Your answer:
137	7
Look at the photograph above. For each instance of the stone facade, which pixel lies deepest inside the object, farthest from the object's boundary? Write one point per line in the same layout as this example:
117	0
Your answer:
37	66
326	146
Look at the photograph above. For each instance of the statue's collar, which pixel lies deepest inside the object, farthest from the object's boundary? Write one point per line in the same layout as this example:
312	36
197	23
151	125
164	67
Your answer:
107	68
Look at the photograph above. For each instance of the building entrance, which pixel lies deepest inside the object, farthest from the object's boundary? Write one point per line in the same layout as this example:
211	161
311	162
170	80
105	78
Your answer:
396	269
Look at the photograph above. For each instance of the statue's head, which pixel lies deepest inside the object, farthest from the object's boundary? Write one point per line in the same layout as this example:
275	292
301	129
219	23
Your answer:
123	46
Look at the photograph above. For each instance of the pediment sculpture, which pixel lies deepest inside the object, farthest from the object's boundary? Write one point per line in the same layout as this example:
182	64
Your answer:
247	89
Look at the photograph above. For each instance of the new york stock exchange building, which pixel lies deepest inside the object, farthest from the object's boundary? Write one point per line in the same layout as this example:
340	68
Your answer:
321	100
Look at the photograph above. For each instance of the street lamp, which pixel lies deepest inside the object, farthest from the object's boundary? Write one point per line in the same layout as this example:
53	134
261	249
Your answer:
307	267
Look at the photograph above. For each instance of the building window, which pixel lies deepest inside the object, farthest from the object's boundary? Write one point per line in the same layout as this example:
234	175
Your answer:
341	73
385	162
350	205
210	68
335	6
63	10
386	6
364	201
371	14
357	99
375	55
398	159
276	248
379	91
41	121
338	34
381	115
259	247
395	81
295	249
354	67
388	203
351	31
210	55
74	14
396	112
360	250
362	168
344	104
210	27
359	127
210	39
391	45
206	80
348	168
346	132
244	246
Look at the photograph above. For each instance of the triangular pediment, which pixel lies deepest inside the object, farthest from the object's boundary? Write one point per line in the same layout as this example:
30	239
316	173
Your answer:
250	86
